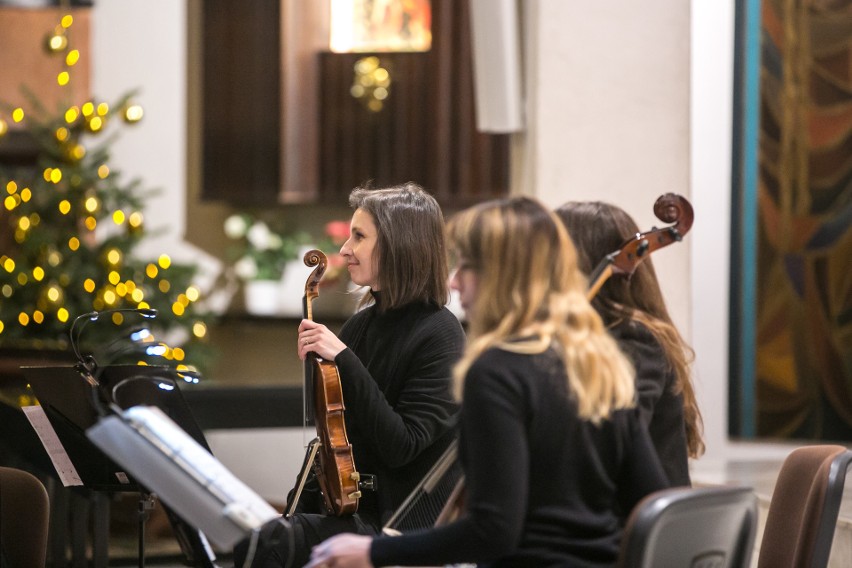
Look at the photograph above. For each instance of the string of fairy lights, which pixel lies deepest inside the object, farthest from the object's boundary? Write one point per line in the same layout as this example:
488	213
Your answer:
74	225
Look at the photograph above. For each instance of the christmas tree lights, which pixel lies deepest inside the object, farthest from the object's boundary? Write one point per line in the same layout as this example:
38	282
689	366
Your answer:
69	224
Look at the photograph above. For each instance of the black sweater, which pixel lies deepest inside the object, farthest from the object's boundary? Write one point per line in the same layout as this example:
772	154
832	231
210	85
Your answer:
544	488
660	407
400	413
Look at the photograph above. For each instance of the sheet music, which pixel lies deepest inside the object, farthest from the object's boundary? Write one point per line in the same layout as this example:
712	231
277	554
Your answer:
55	450
241	503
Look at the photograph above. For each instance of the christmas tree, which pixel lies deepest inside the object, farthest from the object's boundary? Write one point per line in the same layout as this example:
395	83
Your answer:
68	228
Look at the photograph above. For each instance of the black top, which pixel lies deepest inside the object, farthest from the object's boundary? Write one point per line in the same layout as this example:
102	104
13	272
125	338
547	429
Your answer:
544	488
400	412
660	407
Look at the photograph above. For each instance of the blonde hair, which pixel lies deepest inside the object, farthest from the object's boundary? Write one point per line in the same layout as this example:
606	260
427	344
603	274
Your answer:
529	288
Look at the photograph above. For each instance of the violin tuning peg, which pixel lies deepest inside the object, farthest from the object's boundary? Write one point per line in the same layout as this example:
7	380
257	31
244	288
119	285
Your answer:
355	476
355	495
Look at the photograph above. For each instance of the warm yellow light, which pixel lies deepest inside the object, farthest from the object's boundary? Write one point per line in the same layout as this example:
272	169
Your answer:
164	261
38	316
199	329
72	58
151	271
54	258
63	78
114	277
118	217
117	318
73	243
133	113
1	327
65	207
71	114
4	127
61	134
121	289
178	354
55	175
114	256
78	152
6	290
96	123
22	278
178	308
103	171
183	300
23	318
89	285
10	202
62	314
38	273
192	293
135	220
11	187
24	223
26	194
164	286
9	265
131	285
57	41
18	114
103	109
91	204
91	223
53	293
88	109
67	20
109	297
138	295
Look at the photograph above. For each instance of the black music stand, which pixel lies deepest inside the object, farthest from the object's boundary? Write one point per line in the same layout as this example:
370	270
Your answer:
73	404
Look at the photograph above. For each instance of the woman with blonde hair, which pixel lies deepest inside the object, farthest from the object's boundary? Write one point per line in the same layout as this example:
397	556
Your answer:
633	309
553	451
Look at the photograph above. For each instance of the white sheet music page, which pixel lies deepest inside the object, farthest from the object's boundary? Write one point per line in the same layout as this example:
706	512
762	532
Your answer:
55	450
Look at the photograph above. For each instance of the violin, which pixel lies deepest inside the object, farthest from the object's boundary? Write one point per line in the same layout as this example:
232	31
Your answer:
334	465
670	208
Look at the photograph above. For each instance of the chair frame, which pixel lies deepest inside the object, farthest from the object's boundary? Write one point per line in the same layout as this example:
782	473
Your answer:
651	517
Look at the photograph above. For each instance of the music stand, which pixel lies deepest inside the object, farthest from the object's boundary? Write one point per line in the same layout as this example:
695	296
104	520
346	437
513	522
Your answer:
66	397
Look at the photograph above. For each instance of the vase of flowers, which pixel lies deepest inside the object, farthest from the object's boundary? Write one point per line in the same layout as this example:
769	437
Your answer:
260	255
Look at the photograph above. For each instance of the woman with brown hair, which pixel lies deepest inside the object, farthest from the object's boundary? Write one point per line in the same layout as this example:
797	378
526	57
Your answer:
553	451
394	358
633	309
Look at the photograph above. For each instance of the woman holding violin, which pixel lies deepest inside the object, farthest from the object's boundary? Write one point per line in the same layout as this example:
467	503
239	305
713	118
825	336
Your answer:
632	307
553	451
394	358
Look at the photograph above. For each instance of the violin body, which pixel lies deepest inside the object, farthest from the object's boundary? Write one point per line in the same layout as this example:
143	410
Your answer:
335	464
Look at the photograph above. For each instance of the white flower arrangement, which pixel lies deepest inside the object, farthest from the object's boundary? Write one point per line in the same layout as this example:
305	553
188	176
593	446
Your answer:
262	253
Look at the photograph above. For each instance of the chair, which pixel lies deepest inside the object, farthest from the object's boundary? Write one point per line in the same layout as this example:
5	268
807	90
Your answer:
708	527
805	503
24	515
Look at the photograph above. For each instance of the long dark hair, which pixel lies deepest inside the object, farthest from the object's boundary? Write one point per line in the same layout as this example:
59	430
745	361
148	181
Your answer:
412	256
598	229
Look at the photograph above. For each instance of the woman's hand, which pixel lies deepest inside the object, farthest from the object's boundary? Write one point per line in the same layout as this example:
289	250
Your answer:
342	551
319	339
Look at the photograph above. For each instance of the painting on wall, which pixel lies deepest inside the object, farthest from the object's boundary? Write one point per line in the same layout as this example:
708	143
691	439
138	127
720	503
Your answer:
380	25
791	350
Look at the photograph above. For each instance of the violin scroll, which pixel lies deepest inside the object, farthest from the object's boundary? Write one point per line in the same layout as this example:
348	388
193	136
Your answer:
670	208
